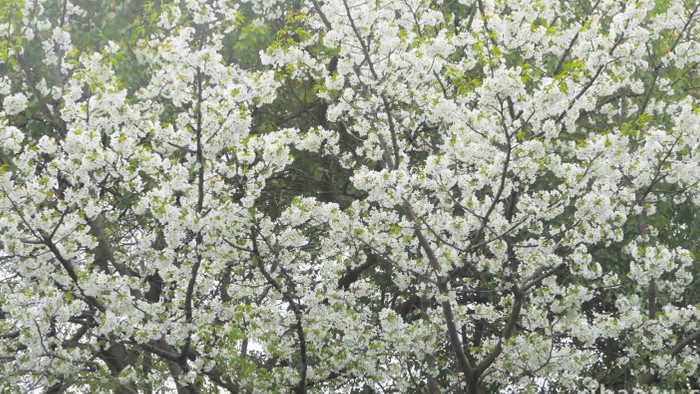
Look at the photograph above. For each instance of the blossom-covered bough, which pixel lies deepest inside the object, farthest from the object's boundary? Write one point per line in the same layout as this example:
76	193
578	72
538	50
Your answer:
391	196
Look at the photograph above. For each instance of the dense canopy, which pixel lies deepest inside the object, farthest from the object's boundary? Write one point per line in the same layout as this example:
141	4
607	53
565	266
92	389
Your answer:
320	196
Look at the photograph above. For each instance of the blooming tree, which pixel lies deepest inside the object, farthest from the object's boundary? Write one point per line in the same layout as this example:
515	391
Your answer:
349	196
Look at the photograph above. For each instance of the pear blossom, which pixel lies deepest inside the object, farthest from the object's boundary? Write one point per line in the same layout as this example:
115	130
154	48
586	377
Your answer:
349	196
14	104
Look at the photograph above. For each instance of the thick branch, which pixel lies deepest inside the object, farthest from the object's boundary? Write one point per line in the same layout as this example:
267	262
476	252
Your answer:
296	309
385	101
673	352
54	121
352	275
104	251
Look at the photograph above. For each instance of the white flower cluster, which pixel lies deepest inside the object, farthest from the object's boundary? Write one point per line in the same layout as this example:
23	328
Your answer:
14	104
